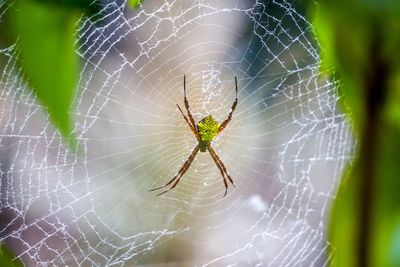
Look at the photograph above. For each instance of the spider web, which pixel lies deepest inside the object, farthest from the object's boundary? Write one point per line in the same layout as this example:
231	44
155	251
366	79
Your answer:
285	147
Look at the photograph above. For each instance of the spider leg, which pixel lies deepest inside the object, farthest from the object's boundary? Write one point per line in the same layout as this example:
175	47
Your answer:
192	127
222	172
227	120
175	180
221	167
187	102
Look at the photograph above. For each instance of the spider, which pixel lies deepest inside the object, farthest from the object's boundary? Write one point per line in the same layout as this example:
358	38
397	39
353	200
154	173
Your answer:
204	131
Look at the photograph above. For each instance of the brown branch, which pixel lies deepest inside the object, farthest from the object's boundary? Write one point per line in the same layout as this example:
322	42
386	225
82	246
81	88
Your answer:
375	91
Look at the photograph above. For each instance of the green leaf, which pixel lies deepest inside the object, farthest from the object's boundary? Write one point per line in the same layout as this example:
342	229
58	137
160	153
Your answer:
134	3
46	36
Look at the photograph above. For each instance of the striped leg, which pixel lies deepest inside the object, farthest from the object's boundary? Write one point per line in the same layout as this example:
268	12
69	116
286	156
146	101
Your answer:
174	181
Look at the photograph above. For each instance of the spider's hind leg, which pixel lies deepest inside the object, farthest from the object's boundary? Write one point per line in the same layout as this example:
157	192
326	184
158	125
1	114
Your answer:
187	103
228	119
192	127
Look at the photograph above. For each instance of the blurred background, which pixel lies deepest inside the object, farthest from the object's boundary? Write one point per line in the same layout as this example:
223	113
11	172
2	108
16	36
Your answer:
285	147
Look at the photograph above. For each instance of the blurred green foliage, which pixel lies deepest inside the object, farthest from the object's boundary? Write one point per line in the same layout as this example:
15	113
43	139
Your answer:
7	258
45	36
361	42
89	7
45	33
134	3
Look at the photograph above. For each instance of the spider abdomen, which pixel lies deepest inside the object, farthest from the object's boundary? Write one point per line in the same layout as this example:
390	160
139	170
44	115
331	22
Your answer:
207	129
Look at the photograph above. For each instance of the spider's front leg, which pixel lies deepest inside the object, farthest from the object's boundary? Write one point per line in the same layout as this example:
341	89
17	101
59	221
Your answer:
221	168
174	181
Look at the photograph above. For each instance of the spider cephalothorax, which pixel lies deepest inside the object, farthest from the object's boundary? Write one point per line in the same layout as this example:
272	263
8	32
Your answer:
204	131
